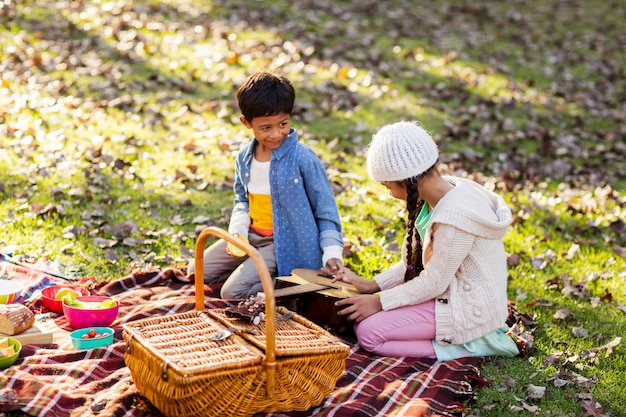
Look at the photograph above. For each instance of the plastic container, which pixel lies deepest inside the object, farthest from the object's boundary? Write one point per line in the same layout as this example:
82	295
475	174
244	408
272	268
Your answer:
10	360
80	318
79	343
9	291
48	294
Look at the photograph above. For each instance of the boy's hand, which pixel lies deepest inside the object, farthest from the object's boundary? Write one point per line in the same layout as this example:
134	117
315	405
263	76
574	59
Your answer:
233	250
332	266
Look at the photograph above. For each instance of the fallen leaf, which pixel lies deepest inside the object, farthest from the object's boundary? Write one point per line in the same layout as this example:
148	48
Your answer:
592	408
562	314
540	303
535	392
619	250
513	259
538	263
572	251
104	243
580	332
177	220
110	255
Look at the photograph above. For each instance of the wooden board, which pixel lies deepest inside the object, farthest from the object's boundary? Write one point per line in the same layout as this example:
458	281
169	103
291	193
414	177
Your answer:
39	334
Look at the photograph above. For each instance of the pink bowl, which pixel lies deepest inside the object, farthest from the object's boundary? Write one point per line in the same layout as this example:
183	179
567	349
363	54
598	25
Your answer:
49	293
80	318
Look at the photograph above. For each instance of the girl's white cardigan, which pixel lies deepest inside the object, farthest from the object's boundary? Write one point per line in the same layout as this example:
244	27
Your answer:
465	268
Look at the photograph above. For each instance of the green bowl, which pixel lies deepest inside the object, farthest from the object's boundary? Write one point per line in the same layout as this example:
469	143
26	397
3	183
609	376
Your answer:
10	360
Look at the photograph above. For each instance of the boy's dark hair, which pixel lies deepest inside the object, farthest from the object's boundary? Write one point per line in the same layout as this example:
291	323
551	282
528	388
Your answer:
265	94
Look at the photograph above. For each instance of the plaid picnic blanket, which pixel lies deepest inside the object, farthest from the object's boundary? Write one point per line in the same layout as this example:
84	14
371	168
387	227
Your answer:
58	381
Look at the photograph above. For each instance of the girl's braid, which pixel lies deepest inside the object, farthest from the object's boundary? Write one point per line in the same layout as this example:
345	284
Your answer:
414	252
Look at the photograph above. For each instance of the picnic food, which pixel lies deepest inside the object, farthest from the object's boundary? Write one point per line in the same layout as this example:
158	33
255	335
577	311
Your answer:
93	334
70	299
6	349
15	319
92	305
66	291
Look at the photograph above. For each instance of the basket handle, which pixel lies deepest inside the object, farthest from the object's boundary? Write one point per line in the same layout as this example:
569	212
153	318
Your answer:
268	289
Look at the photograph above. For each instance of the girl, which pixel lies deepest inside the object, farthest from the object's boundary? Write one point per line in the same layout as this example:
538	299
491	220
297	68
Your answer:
447	298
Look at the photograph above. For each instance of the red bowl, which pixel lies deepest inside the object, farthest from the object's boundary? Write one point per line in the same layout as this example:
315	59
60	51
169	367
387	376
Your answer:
49	293
80	318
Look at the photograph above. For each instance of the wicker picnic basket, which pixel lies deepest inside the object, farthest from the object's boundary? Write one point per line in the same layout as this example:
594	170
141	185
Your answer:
277	365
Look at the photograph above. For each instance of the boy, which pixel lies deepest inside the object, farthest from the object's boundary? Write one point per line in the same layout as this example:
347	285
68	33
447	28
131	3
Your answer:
284	205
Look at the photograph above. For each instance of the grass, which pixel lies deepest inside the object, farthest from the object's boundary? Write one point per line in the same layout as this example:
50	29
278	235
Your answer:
116	111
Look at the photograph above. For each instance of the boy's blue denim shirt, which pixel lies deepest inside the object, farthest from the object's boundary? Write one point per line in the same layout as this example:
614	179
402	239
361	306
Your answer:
304	210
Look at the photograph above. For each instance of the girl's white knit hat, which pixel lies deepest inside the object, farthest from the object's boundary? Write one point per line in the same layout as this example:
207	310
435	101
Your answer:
399	151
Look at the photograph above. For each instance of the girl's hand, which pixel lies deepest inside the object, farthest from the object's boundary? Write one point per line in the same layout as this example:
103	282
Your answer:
359	307
365	286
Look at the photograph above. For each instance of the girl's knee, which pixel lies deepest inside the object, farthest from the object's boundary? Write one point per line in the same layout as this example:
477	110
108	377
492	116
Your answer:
367	340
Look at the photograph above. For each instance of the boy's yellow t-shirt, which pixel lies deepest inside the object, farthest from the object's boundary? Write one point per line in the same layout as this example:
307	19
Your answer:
260	198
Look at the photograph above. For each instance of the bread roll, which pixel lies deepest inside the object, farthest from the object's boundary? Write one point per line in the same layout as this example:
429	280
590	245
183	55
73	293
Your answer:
15	319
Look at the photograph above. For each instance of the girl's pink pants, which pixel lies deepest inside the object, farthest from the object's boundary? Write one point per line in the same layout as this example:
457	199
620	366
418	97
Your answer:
405	331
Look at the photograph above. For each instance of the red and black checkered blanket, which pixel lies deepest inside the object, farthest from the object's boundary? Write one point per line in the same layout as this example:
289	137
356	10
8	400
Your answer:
58	381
